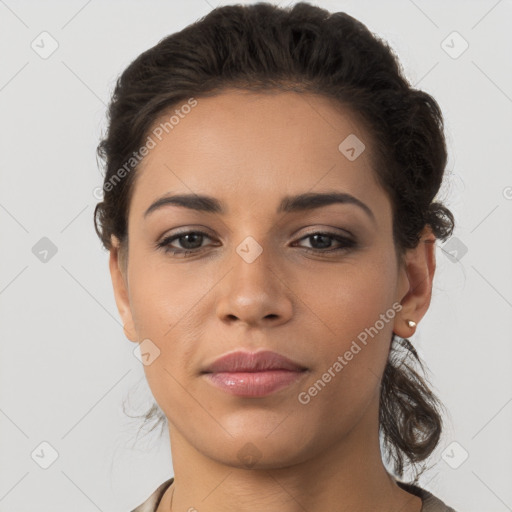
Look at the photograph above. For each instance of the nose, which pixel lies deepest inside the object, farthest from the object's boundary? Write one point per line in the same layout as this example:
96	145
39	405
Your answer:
255	293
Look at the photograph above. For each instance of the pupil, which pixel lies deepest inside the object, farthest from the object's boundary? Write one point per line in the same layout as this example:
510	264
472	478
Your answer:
192	236
326	239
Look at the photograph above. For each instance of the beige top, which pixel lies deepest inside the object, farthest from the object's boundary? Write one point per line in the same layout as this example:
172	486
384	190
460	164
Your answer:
430	502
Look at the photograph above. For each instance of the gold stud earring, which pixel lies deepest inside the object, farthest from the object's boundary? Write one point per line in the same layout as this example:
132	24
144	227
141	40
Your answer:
411	323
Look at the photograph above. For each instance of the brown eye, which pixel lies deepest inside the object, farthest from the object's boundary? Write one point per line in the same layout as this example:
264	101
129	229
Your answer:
190	242
321	242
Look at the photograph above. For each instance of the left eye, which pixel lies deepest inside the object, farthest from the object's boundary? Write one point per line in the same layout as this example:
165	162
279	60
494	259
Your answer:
191	242
326	238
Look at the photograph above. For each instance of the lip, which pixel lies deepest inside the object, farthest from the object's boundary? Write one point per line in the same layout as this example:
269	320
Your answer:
241	361
256	374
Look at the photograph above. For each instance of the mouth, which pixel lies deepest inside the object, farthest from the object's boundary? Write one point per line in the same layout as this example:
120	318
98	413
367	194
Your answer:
257	374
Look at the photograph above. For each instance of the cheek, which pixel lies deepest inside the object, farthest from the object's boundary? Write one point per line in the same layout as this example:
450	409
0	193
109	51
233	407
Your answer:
352	308
349	298
167	304
162	296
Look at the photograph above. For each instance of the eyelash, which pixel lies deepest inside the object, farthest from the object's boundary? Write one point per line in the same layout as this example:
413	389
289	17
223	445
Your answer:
164	245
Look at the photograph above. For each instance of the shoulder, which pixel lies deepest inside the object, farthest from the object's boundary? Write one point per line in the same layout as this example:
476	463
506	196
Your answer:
431	503
152	502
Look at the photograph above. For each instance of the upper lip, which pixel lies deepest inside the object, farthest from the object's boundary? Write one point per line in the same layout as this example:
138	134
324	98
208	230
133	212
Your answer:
252	362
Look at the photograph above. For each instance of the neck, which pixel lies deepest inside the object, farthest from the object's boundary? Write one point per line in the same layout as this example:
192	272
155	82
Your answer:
344	477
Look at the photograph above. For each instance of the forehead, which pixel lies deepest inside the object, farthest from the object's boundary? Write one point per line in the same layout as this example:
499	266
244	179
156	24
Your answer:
247	146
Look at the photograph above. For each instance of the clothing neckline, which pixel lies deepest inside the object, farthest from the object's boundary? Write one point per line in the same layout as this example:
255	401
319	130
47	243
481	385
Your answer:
429	502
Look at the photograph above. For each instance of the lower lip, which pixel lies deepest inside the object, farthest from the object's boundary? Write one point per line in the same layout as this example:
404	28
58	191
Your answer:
254	384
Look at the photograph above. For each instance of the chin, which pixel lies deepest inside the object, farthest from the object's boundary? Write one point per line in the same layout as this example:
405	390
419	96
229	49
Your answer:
258	451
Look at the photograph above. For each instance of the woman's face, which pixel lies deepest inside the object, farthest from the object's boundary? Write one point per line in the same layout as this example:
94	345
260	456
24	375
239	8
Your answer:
258	280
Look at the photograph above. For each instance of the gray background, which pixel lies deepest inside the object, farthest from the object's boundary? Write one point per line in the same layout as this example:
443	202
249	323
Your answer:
65	365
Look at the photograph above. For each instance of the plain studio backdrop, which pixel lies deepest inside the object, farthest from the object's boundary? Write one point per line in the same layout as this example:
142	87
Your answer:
65	364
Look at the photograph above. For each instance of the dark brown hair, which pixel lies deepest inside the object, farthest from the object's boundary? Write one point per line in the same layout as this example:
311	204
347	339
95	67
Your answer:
303	48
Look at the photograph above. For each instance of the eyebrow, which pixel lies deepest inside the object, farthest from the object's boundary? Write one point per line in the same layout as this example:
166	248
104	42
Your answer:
289	204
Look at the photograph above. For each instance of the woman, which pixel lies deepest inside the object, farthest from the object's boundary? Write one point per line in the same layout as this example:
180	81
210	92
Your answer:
270	211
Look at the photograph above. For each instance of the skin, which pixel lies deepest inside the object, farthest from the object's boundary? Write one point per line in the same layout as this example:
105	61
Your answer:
249	150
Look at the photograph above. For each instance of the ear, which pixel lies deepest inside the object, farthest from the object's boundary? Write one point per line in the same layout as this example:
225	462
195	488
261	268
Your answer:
415	283
118	272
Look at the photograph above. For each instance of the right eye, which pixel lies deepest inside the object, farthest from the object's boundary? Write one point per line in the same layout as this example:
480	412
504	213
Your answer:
190	240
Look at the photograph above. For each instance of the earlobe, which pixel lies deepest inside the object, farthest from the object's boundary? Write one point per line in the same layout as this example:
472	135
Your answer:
129	334
118	274
418	273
